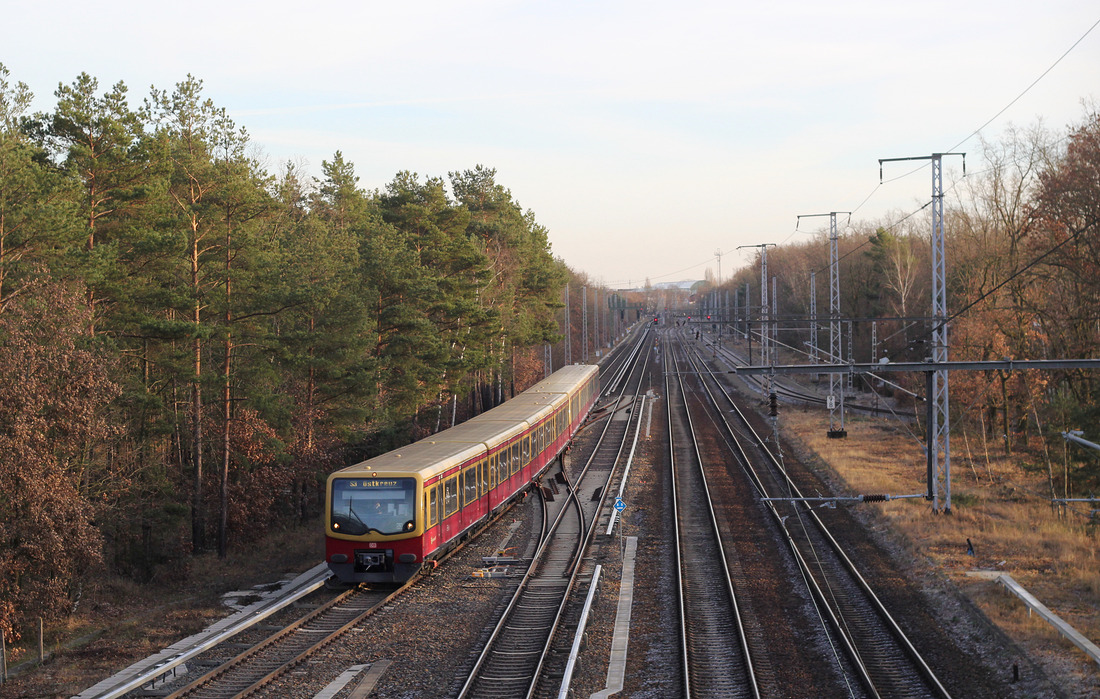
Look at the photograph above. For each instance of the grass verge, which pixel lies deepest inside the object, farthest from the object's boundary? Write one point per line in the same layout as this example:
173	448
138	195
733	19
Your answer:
1002	508
120	622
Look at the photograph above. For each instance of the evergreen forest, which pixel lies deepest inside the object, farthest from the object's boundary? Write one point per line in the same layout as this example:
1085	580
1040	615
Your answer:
191	343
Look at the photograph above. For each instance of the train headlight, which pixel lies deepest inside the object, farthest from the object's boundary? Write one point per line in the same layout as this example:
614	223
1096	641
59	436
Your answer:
410	525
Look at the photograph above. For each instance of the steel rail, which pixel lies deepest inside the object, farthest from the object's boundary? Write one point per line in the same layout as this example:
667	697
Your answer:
243	657
535	568
625	365
850	648
207	682
797	393
811	582
291	595
715	530
889	622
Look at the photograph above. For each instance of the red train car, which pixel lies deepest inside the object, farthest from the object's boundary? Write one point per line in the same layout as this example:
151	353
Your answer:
385	517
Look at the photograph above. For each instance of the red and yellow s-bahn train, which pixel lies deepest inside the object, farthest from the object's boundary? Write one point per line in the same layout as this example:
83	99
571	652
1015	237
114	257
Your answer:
387	516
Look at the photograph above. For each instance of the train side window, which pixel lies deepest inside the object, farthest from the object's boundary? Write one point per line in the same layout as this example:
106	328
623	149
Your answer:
469	485
526	450
483	471
433	506
515	457
450	496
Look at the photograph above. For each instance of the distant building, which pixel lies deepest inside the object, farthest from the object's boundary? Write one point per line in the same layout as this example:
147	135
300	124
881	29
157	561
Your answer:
688	285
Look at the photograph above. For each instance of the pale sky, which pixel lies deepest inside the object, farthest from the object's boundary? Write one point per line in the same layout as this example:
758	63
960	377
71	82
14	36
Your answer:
645	136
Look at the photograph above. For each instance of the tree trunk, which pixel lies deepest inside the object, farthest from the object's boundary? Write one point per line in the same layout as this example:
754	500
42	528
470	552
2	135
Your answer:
198	516
310	390
227	402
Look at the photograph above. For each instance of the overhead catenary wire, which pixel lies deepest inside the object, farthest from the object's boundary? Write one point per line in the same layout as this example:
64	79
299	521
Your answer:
875	190
993	118
1028	88
870	195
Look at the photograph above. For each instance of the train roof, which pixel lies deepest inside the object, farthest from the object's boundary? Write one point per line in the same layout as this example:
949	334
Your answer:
468	440
528	406
564	379
413	458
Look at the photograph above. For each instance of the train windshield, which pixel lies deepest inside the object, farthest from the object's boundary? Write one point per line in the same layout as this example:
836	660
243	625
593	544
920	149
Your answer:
384	505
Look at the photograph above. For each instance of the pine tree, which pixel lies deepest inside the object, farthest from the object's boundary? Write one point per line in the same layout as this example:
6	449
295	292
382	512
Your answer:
36	218
185	130
526	279
98	140
321	339
437	230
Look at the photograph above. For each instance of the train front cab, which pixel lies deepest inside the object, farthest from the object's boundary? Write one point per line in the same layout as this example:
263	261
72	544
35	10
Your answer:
373	527
378	526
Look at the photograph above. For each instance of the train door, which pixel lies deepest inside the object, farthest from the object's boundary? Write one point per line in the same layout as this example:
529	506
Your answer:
451	524
483	504
494	482
431	513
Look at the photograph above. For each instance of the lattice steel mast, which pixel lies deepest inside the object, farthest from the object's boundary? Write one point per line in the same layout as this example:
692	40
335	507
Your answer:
765	345
836	353
939	423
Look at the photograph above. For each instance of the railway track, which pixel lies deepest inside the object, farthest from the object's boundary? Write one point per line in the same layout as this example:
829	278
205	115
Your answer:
793	392
262	663
512	657
516	659
877	653
715	656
